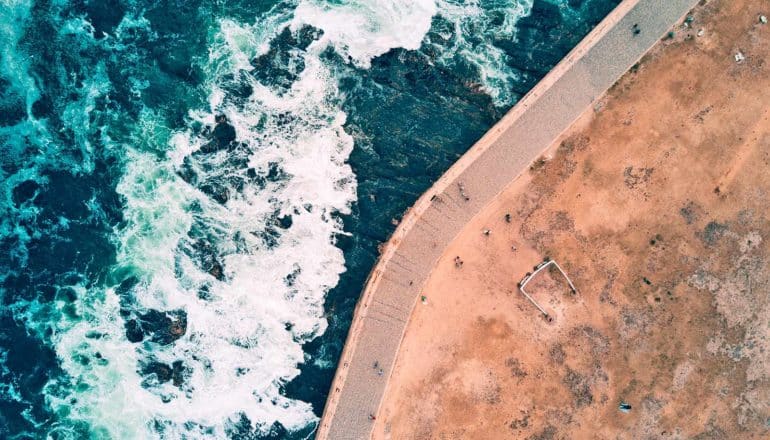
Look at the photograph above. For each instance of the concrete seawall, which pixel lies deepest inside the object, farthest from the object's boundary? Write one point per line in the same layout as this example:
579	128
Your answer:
501	155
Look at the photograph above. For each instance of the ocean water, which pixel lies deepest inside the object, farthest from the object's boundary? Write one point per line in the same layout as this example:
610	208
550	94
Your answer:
156	283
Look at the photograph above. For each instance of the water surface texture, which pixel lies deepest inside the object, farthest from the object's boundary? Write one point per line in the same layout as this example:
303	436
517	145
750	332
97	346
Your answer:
160	281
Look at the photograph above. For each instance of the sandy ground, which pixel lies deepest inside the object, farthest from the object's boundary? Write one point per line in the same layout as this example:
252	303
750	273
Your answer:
656	204
484	171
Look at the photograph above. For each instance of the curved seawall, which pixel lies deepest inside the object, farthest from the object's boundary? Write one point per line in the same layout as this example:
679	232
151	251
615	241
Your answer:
499	157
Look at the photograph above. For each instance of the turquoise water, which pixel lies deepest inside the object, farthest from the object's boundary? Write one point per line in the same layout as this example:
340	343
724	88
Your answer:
158	285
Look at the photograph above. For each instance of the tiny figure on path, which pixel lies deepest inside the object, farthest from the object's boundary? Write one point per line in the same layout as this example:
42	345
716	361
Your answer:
462	191
487	232
458	262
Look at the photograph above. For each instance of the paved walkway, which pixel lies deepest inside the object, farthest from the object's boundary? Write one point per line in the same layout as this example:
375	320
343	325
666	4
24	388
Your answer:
485	170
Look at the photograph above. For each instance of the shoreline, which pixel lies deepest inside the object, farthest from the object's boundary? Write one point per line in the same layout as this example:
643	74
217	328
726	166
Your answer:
499	157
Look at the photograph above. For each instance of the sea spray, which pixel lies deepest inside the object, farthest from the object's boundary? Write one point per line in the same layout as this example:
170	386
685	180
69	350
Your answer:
473	35
360	30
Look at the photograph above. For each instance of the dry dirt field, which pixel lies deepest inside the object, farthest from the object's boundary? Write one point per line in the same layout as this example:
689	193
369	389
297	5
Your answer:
657	204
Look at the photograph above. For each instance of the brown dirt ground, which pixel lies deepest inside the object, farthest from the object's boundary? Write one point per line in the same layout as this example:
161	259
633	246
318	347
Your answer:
657	205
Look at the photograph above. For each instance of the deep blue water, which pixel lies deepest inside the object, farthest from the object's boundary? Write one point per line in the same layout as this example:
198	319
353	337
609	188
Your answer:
159	281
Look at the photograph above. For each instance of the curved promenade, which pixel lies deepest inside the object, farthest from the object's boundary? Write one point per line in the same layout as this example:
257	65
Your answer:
500	156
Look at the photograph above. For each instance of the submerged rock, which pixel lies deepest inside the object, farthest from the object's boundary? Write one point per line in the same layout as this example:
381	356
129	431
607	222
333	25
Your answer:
24	191
285	221
176	372
134	331
162	371
125	292
216	192
186	172
126	285
224	134
217	271
160	327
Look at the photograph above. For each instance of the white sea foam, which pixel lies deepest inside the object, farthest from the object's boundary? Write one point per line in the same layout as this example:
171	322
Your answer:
361	30
477	25
236	44
364	29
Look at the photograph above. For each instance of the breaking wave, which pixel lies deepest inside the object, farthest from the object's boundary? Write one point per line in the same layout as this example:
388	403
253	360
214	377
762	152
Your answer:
474	34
